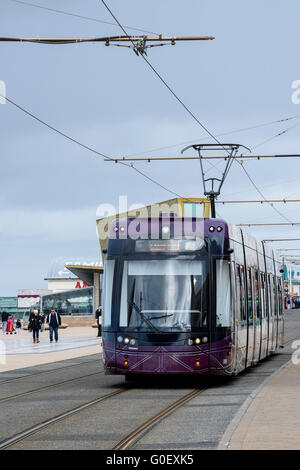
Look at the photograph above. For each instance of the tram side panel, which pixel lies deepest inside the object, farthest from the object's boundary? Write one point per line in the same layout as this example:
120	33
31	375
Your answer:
270	298
239	321
263	319
279	301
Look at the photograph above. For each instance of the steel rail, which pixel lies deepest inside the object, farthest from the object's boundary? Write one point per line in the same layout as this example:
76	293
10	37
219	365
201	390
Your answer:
45	372
45	387
39	427
138	433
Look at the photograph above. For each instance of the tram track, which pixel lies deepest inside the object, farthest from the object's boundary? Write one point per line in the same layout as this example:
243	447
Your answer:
139	432
39	427
127	442
131	439
37	374
45	387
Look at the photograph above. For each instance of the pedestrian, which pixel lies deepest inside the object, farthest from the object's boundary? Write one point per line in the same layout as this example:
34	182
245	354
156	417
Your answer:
4	319
10	325
54	321
34	325
42	321
18	326
98	316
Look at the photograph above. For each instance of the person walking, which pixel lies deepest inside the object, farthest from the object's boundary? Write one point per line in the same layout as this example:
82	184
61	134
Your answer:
42	321
98	316
54	321
4	319
34	325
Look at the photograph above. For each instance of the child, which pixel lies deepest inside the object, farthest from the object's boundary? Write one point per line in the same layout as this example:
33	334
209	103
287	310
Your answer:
18	326
10	325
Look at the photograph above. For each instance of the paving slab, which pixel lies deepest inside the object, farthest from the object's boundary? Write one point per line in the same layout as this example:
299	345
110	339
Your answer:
272	421
19	351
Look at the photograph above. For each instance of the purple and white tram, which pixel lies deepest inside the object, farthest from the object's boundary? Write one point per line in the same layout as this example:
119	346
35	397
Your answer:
188	296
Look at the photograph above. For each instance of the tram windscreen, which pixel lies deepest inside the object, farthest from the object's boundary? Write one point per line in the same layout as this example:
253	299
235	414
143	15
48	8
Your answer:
169	295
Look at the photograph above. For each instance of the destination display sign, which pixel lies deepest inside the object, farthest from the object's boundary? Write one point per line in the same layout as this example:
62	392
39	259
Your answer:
169	245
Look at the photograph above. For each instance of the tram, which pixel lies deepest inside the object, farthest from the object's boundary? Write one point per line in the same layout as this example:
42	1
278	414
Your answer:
188	296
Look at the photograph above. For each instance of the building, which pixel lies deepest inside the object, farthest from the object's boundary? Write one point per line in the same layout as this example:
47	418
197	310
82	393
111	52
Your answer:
292	279
27	298
75	288
60	278
76	302
10	304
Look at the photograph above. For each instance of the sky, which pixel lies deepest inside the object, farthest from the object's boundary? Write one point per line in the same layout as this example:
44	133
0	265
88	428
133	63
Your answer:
110	100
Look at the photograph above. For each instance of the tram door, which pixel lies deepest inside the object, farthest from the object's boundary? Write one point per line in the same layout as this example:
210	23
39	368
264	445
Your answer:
274	312
250	319
257	314
241	317
264	319
271	313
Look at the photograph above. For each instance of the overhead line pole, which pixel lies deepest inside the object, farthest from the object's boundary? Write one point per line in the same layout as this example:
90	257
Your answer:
288	249
282	240
274	223
259	201
211	157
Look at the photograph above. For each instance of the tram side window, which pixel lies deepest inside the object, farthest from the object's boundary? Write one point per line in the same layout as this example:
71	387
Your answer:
258	309
241	288
223	313
250	299
263	291
279	290
107	291
272	294
238	292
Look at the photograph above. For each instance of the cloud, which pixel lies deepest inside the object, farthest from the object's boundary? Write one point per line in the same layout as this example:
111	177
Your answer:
49	226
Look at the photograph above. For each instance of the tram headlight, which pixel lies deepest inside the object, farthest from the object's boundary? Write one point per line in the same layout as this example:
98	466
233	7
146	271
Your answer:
211	228
116	229
120	339
126	340
204	339
132	342
197	340
122	229
190	342
219	229
165	230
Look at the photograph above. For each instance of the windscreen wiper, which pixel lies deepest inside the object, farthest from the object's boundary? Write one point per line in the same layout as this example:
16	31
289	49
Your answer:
162	316
143	316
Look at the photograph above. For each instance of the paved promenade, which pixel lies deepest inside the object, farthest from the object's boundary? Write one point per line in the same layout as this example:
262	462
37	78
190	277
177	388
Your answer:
272	421
18	351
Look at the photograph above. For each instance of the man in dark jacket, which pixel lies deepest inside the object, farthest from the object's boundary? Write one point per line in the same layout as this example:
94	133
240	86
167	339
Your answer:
54	321
4	319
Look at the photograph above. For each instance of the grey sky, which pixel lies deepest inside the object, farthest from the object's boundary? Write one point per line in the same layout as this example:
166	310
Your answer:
108	98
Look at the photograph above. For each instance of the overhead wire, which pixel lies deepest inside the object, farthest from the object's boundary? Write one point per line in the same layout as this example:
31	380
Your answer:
218	135
162	79
189	111
251	179
165	84
86	147
53	10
